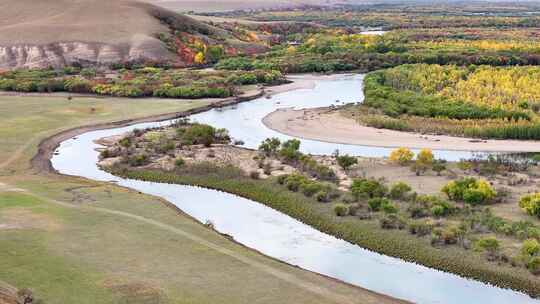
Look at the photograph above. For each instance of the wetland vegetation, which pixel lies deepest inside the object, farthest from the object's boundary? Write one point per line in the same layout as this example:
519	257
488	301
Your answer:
464	222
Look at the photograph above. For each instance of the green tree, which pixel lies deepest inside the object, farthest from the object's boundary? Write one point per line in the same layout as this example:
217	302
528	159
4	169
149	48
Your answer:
346	161
270	146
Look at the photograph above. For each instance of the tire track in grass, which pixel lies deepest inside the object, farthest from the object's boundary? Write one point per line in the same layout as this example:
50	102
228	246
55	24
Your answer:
368	297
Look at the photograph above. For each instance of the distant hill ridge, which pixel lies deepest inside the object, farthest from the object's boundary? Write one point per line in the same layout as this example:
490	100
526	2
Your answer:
93	32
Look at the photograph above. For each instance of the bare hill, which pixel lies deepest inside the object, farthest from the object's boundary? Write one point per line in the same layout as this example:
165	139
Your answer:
62	32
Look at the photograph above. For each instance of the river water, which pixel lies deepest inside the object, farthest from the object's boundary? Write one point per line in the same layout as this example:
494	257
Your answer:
278	235
244	121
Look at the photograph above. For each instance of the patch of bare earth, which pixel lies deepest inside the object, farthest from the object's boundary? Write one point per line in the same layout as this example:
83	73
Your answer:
18	218
8	188
136	291
8	294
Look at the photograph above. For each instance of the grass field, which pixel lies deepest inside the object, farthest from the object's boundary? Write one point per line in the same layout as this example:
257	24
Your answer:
77	241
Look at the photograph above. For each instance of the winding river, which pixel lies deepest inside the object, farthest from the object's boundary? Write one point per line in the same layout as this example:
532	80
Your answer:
278	235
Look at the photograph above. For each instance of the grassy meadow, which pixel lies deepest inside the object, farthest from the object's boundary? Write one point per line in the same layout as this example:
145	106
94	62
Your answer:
73	240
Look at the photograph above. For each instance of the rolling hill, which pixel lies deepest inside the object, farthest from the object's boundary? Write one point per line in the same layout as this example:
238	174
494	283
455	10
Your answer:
95	32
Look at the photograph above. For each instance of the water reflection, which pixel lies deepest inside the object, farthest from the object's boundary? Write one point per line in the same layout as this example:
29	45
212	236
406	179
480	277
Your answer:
278	235
244	121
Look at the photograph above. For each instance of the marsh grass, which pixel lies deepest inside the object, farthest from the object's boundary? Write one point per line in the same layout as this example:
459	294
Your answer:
363	233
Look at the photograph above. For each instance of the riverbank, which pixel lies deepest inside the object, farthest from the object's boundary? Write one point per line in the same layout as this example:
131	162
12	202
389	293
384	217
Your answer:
41	161
172	156
329	125
106	242
327	290
338	233
365	234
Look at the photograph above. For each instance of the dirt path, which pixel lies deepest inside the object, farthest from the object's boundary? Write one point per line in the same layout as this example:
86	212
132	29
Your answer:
330	126
368	297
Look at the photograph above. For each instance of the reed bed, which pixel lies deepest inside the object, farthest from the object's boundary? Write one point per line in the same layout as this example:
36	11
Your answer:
363	233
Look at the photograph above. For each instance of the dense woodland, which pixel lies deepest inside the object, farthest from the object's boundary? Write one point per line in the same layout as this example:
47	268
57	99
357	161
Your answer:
477	101
137	82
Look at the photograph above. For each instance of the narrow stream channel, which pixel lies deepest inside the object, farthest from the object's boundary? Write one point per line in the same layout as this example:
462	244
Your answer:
278	235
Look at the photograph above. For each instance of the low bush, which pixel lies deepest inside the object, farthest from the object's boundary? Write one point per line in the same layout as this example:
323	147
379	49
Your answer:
341	210
439	166
322	196
530	248
368	188
389	207
376	203
179	162
138	160
392	221
445	236
531	204
420	227
320	191
125	142
254	174
470	190
282	179
489	245
418	210
399	190
315	169
534	265
425	205
310	188
198	134
346	161
293	182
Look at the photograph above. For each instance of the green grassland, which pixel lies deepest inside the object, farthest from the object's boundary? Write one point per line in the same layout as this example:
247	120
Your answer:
78	241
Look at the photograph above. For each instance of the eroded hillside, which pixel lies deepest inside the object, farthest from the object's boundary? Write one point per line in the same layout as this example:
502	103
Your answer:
61	32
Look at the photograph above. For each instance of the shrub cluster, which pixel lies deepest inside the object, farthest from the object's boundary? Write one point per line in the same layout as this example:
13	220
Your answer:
368	188
141	82
355	232
531	204
289	153
470	190
322	192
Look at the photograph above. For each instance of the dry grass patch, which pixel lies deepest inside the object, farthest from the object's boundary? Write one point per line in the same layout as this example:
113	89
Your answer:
20	218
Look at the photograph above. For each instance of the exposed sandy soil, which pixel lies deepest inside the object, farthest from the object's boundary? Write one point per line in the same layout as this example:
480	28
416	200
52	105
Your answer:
515	184
327	125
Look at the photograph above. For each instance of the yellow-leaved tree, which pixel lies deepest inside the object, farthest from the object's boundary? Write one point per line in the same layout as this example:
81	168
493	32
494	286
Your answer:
199	58
424	161
401	156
